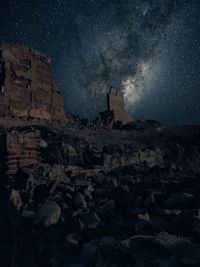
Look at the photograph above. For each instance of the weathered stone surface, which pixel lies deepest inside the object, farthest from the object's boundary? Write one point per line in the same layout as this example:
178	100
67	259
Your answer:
48	213
28	93
22	149
16	199
43	144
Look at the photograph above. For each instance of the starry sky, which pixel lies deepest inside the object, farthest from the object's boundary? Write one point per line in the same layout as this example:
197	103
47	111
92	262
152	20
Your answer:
149	50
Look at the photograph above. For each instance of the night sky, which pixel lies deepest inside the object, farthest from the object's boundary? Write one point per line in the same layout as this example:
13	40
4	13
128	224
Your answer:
150	50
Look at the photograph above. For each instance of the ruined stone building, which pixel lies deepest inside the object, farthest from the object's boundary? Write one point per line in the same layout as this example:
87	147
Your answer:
115	109
28	93
28	96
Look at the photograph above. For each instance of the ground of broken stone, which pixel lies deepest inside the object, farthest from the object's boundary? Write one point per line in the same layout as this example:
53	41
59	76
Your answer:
101	201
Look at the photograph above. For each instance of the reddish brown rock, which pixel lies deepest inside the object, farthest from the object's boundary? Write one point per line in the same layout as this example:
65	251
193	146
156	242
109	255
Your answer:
28	93
115	103
115	112
23	149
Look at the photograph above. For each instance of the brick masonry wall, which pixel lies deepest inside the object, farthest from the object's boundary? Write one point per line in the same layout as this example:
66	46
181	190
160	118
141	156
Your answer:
22	149
28	91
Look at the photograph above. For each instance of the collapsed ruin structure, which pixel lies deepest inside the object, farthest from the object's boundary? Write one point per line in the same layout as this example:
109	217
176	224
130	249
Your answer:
115	112
28	96
28	93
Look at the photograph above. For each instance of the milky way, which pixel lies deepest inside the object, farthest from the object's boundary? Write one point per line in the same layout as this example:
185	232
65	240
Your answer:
150	50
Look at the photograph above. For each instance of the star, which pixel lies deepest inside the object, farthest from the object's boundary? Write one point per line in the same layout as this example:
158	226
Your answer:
147	49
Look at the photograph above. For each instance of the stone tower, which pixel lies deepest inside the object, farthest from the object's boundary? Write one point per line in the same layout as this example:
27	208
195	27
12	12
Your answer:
115	104
28	93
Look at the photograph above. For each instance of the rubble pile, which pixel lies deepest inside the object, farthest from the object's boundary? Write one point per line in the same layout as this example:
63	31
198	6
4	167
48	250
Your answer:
129	200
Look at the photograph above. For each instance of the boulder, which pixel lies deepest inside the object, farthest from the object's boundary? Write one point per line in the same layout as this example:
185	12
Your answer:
81	182
48	214
118	222
138	202
43	143
89	221
158	223
176	245
143	244
145	217
107	210
79	200
73	243
89	252
89	190
149	201
16	199
179	200
107	245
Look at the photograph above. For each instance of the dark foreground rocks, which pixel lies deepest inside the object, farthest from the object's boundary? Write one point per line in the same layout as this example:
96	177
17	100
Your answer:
90	203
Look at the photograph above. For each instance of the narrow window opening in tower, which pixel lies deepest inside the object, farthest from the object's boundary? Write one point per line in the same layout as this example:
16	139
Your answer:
2	77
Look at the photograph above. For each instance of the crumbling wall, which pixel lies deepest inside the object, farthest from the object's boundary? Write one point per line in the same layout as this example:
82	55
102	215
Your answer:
2	152
22	149
27	89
